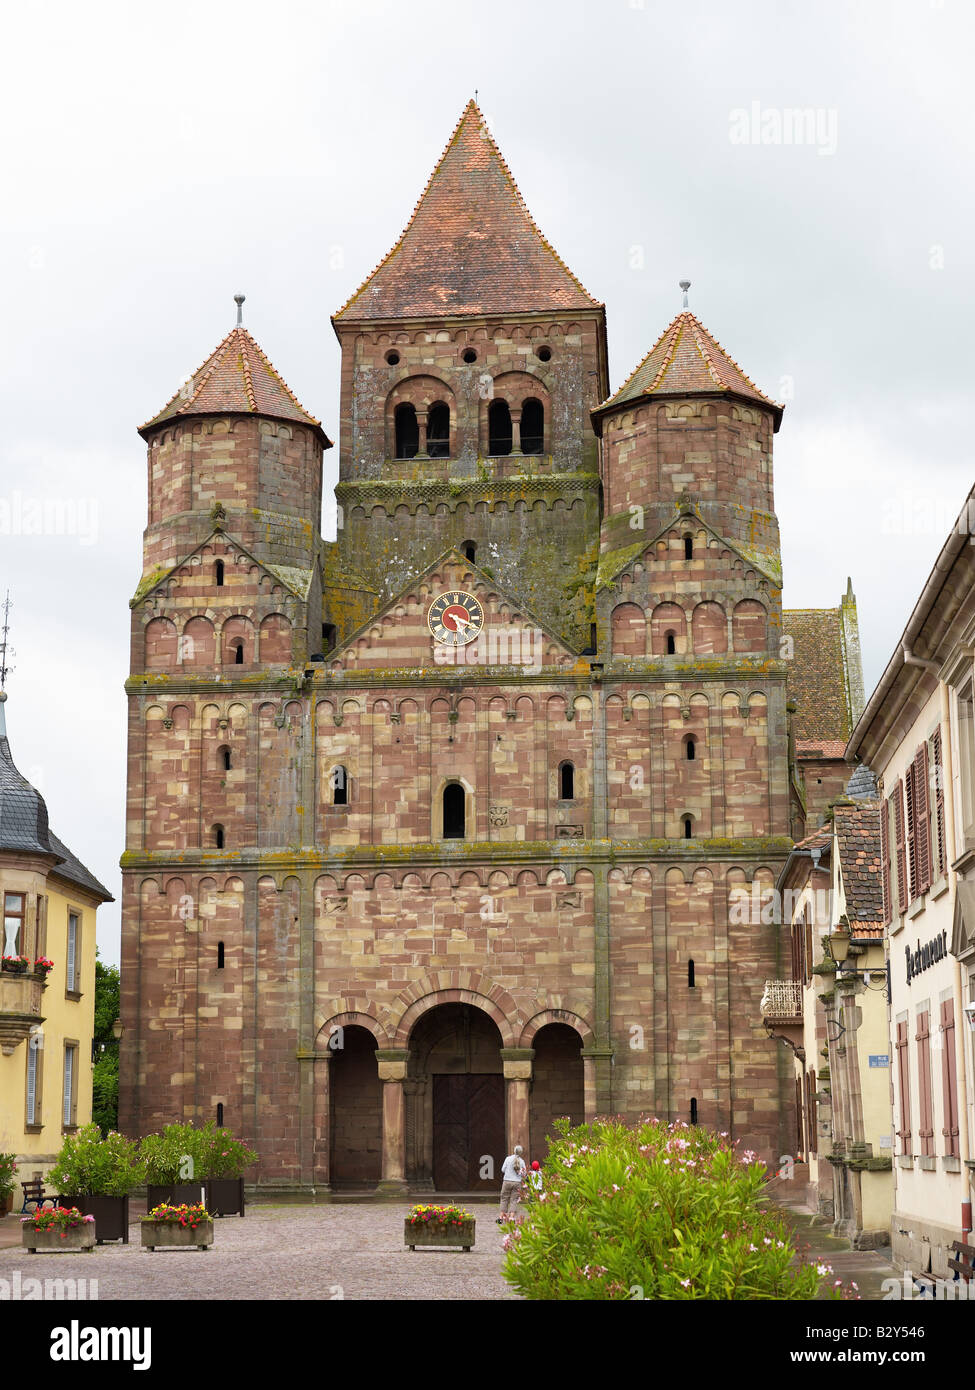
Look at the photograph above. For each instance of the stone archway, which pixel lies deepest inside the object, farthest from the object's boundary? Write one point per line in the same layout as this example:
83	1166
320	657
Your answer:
455	1100
558	1086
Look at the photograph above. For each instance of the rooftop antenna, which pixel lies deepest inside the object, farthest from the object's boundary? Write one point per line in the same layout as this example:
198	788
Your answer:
6	651
685	286
239	301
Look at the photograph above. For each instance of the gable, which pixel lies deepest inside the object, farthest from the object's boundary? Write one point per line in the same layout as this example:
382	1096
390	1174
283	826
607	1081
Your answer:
399	636
192	582
724	558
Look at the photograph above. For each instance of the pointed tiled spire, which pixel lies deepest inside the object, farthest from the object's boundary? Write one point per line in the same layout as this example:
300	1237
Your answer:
238	379
471	246
685	361
23	811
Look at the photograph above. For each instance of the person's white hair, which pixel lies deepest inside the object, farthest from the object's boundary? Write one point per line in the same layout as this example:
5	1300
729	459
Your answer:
518	1149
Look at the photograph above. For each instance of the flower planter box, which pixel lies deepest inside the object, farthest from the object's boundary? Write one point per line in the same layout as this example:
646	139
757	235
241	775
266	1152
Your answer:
111	1215
163	1235
19	969
433	1233
176	1194
80	1238
224	1196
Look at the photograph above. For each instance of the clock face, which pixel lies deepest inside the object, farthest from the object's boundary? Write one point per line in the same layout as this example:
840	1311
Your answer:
455	618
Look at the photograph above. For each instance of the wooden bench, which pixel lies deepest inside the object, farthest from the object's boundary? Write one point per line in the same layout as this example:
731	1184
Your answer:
34	1192
965	1265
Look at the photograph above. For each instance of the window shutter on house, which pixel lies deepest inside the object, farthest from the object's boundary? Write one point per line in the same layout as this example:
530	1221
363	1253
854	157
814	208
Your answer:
68	1083
811	1093
939	803
925	1128
807	935
898	800
31	1084
72	950
949	1078
904	1089
922	819
885	859
911	802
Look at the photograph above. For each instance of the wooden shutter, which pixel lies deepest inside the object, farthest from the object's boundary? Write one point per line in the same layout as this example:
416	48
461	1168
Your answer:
808	943
922	820
925	1128
899	844
949	1080
911	802
810	1087
68	1084
72	950
800	1145
885	860
939	803
904	1088
31	1083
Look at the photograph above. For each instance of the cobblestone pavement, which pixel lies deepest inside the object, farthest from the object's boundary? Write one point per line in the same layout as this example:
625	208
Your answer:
351	1251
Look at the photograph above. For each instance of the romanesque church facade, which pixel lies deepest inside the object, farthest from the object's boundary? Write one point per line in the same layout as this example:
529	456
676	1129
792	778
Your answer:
434	832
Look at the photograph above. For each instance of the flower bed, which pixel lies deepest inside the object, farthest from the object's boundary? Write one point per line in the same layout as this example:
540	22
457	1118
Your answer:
438	1226
177	1227
58	1228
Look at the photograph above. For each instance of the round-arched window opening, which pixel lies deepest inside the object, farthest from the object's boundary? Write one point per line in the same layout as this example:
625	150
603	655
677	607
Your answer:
218	837
393	358
671	644
544	354
469	356
691	749
238	650
454	820
688	828
470	550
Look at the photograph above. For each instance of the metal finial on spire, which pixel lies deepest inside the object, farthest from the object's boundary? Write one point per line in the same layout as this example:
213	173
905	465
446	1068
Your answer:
6	651
685	286
239	301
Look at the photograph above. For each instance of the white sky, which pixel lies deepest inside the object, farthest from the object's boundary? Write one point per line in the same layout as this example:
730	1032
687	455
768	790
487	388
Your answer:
157	158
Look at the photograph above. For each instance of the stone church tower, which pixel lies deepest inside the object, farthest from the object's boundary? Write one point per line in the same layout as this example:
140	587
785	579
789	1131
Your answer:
435	833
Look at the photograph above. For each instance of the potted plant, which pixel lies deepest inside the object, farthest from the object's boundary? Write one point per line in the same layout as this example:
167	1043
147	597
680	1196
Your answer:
442	1226
96	1175
8	1167
173	1166
58	1228
16	965
43	966
177	1227
224	1161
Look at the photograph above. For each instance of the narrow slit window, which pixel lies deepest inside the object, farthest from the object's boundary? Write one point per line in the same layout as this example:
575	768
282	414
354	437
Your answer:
693	1110
566	781
454	817
340	786
226	761
470	550
688	548
218	576
218	837
328	636
671	644
688	828
220	1115
220	955
690	974
691	750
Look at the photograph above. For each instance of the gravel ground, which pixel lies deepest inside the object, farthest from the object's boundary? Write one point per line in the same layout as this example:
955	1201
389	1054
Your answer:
287	1252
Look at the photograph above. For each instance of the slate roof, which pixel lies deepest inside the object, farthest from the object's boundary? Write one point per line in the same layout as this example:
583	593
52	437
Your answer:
862	786
24	825
470	247
858	842
817	679
685	360
238	379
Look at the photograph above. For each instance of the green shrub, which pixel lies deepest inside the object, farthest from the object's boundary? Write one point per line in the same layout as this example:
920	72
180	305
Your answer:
215	1153
90	1166
8	1180
652	1211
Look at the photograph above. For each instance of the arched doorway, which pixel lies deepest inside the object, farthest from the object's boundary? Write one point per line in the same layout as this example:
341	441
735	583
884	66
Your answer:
558	1087
356	1105
455	1101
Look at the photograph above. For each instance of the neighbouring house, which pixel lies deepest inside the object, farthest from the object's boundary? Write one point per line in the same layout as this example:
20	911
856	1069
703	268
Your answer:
47	983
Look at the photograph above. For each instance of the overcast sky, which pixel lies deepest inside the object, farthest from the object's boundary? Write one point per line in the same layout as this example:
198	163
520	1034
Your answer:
158	158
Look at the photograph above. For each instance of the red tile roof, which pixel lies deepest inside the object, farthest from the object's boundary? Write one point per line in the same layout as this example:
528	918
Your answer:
820	748
685	360
235	379
471	246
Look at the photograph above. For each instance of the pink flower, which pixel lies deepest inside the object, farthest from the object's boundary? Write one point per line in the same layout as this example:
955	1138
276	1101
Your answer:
685	1283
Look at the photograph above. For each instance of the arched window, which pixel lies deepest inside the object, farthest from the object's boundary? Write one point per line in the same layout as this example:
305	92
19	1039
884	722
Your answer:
218	574
340	786
224	758
693	1110
499	428
438	431
470	550
671	644
407	431
532	426
688	827
454	799
218	837
690	974
329	634
219	955
688	547
690	749
566	781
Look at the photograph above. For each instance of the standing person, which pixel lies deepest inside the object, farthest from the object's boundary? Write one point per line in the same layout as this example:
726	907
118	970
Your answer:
513	1171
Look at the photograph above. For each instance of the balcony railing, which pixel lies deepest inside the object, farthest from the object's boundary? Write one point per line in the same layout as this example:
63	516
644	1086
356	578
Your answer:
782	999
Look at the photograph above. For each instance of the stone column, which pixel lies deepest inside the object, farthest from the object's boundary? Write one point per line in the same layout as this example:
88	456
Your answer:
516	430
596	1062
421	424
517	1063
392	1063
317	1064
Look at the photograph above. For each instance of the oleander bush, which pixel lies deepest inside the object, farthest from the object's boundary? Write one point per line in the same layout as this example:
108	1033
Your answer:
653	1211
90	1166
215	1153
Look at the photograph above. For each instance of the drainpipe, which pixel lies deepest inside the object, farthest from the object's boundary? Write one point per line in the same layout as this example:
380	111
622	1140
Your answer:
911	660
961	1051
